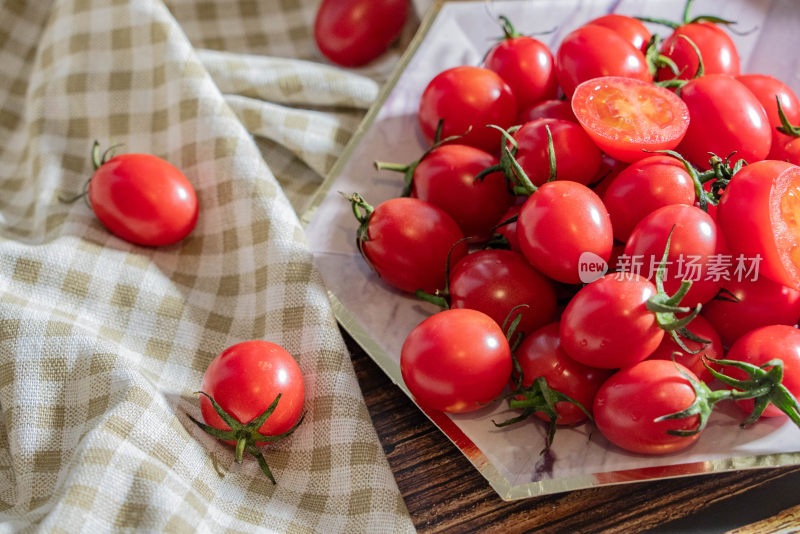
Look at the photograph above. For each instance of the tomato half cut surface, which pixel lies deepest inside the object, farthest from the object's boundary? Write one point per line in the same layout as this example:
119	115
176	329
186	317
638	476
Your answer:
625	116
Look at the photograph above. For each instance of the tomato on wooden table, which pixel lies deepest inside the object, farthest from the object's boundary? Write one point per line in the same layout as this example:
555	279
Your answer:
497	281
456	361
625	117
467	99
627	405
759	215
352	33
143	199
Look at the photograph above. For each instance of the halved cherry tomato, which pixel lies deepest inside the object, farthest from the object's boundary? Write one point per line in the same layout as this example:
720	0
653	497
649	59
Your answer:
625	117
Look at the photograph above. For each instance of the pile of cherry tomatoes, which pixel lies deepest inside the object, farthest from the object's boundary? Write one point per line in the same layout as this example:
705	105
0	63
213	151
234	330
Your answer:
612	229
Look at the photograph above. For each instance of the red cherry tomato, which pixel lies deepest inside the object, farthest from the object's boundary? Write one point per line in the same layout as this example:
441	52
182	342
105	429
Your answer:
627	404
716	48
548	109
407	242
456	361
577	157
509	231
607	323
759	347
246	378
593	51
560	222
143	199
790	151
467	98
767	89
697	251
446	178
736	123
540	354
629	28
642	188
352	33
625	117
755	303
758	214
526	65
496	281
700	327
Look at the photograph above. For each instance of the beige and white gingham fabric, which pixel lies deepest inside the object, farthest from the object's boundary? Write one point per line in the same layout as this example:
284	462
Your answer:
102	343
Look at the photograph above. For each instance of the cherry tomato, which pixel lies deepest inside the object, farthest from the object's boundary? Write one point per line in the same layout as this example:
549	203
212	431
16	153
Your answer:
757	302
496	281
577	157
700	327
407	242
352	33
540	354
761	345
547	109
560	222
767	89
627	404
736	123
625	116
593	51
509	231
526	65
456	361
143	199
245	379
607	323
446	178
716	48
629	28
758	212
642	188
697	252
467	98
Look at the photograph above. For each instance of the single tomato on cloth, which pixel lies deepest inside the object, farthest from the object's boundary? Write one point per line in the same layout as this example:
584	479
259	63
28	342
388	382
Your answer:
253	394
142	198
456	361
626	117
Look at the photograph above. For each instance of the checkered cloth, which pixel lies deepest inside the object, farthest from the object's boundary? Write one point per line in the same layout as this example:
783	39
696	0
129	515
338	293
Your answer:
103	343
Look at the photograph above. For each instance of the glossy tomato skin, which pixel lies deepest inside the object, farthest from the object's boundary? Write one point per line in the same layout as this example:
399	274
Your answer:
467	99
643	187
607	323
577	157
496	281
408	244
629	28
526	65
592	51
761	345
558	223
716	47
761	302
627	404
736	123
767	89
698	251
757	212
456	361
627	117
694	362
540	354
245	379
509	231
547	109
143	199
446	178
352	33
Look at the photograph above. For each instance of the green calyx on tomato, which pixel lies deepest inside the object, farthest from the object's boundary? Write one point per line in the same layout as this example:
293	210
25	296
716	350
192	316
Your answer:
687	19
246	435
720	170
677	83
786	127
516	176
655	59
97	161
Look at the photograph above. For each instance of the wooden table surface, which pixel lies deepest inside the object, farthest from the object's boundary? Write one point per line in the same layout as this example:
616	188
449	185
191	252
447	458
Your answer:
445	493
